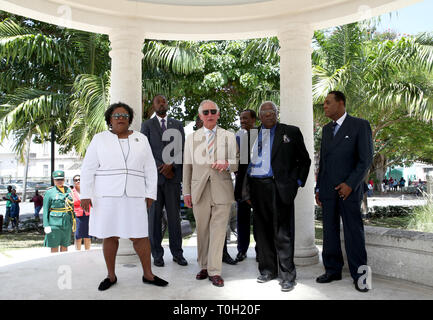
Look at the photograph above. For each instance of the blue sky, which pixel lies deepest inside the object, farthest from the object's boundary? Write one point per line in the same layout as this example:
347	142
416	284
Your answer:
410	20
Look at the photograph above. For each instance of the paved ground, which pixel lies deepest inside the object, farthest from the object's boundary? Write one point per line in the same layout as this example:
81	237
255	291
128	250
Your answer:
37	274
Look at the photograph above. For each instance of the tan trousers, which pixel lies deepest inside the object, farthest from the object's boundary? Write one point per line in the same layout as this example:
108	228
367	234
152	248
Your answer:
211	225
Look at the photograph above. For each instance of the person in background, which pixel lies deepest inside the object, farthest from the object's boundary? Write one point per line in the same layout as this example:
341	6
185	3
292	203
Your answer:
38	201
244	209
15	209
169	179
58	214
82	231
8	207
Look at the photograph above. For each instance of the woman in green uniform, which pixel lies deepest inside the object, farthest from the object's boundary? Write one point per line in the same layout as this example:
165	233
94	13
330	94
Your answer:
59	217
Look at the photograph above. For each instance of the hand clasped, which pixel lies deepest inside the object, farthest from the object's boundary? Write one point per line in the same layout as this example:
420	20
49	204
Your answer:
220	165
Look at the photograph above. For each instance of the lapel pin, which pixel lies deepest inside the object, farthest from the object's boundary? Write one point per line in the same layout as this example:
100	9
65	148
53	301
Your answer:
346	137
286	139
136	139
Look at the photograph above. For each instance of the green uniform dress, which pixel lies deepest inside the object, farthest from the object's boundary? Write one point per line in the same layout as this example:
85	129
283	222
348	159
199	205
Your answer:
59	215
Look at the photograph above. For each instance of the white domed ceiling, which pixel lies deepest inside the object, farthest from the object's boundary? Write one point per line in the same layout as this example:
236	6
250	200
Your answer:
200	19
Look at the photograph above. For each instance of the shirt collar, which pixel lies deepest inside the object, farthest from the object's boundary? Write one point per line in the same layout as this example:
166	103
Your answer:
272	129
159	119
207	131
340	121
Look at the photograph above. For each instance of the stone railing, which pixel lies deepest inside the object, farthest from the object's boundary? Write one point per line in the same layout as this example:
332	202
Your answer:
401	254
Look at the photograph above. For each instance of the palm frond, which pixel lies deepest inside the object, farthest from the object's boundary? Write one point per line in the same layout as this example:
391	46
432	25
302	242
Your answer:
178	59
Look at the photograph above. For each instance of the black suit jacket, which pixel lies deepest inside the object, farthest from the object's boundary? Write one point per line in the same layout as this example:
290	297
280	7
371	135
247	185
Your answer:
345	158
152	130
243	141
289	160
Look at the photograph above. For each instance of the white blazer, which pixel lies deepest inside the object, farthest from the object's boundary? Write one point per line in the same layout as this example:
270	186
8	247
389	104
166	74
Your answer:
106	173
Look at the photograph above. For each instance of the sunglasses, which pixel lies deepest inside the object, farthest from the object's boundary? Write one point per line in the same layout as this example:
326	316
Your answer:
76	180
118	115
206	112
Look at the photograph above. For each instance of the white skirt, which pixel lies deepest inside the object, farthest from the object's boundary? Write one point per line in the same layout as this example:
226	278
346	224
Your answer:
122	217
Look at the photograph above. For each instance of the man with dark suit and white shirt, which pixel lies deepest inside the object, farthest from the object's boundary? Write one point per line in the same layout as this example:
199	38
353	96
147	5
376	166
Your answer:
346	154
169	179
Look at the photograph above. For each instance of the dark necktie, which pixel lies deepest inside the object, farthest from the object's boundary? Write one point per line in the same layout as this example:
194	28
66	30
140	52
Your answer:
163	127
334	125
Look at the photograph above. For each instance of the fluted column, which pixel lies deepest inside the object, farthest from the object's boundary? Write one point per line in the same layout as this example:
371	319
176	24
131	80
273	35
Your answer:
296	109
126	57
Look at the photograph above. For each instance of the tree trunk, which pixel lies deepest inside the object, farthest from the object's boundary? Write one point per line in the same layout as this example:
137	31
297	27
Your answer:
29	140
379	167
53	143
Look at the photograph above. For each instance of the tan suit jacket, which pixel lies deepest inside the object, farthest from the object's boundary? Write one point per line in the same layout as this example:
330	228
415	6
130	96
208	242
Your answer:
197	167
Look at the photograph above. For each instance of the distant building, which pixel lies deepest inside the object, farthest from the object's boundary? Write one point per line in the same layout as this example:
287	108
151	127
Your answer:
415	172
39	163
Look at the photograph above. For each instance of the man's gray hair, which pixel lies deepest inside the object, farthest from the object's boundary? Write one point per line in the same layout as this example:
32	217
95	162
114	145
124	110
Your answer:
274	106
200	107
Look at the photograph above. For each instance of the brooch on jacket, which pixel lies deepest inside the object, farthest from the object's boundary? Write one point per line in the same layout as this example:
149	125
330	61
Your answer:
286	139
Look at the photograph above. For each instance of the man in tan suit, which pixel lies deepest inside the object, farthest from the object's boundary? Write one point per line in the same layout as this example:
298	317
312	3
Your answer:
210	157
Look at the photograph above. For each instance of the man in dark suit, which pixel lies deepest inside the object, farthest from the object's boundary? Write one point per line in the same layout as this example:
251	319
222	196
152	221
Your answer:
169	179
248	121
346	154
279	166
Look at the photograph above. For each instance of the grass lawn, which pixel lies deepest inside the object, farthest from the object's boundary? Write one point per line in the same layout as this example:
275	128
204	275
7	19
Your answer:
27	238
11	240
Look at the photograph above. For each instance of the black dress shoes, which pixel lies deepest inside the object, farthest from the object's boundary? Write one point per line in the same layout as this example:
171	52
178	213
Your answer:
240	256
287	285
156	281
180	261
104	285
158	262
364	289
227	259
265	278
327	277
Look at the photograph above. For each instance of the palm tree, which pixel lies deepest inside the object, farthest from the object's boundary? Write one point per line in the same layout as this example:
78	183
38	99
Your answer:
59	79
384	81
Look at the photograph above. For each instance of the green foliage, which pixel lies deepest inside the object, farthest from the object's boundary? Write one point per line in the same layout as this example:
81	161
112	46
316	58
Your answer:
387	82
422	219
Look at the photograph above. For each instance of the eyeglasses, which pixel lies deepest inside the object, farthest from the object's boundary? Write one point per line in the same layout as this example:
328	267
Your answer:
76	180
206	112
266	112
118	115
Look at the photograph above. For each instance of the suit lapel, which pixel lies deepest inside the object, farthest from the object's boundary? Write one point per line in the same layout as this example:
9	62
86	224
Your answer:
277	140
341	133
170	123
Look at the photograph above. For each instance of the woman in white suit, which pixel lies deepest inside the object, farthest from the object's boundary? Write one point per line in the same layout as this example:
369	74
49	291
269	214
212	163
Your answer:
119	180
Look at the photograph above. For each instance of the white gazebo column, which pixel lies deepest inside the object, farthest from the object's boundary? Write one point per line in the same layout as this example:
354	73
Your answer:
126	86
296	108
126	57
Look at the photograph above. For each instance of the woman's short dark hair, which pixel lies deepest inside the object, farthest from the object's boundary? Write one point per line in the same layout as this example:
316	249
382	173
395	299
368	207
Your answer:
114	106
